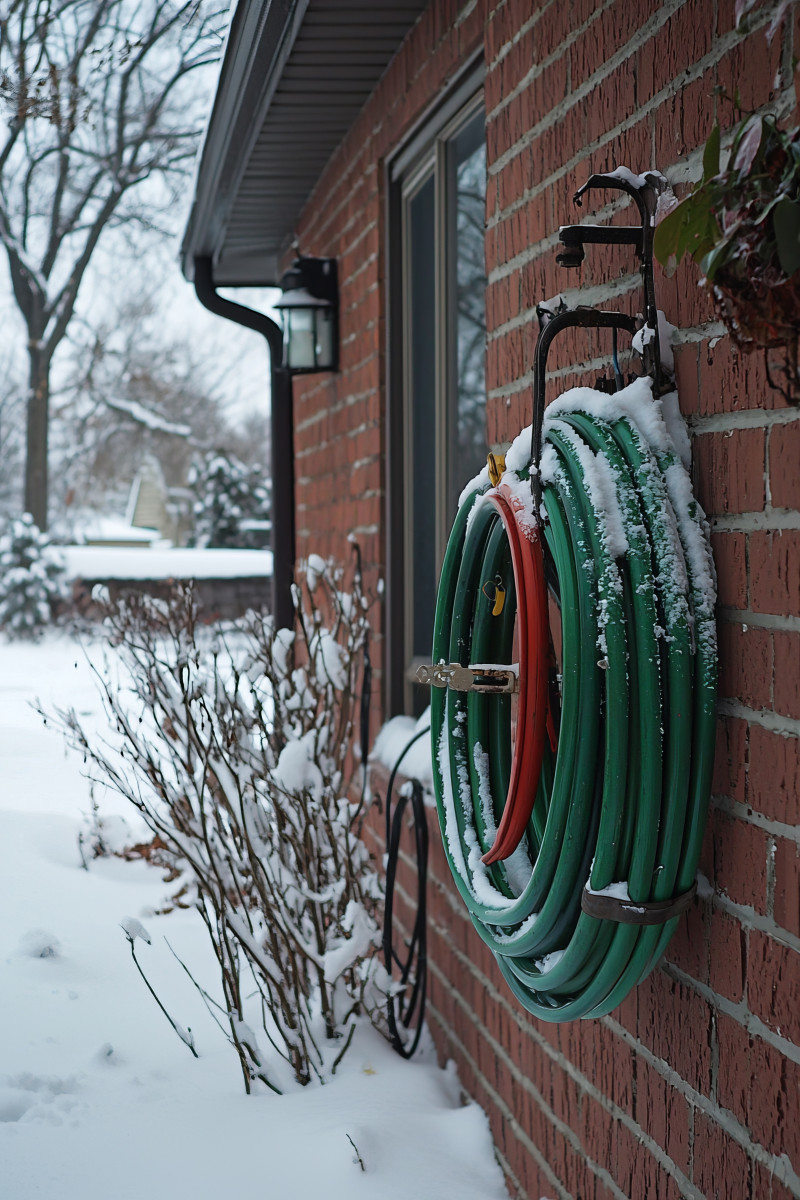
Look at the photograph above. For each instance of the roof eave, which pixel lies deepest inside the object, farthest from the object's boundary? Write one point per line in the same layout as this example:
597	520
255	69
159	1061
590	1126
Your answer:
260	34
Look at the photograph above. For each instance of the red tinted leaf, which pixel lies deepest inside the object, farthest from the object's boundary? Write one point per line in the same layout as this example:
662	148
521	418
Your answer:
748	146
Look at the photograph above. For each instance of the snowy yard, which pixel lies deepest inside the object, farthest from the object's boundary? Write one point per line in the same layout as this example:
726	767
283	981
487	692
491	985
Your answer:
98	1097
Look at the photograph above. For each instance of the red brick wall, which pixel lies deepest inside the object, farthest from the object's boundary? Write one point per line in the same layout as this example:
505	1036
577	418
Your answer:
691	1087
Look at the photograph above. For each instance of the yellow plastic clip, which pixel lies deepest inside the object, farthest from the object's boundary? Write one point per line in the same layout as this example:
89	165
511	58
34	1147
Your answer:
498	596
497	465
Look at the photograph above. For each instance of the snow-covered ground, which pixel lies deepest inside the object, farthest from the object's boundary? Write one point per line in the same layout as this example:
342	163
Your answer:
98	1097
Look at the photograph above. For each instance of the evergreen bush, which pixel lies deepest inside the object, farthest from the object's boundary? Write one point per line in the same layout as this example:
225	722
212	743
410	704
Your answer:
31	578
232	505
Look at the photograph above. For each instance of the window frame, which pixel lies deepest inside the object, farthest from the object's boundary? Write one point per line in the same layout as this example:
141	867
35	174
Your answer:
426	151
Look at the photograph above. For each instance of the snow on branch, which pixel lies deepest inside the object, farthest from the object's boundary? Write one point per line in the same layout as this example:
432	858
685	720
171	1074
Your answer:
145	416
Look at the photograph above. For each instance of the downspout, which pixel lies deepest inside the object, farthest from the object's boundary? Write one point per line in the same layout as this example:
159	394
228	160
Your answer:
282	422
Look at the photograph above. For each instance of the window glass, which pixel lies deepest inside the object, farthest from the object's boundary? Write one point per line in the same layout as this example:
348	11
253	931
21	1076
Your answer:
444	337
421	442
468	421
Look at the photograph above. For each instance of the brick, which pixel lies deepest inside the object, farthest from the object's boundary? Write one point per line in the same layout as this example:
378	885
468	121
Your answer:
774	561
773	985
632	145
650	1178
706	862
603	37
663	1113
612	1066
784	456
729	471
740	859
787	885
721	1166
595	1129
730	557
760	1086
745	656
666	1009
680	42
773	779
731	380
728	956
767	1187
682	123
726	17
611	101
688	948
786	679
730	759
687	377
751	66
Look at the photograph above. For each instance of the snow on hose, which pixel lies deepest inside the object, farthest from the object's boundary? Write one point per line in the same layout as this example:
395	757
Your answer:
605	786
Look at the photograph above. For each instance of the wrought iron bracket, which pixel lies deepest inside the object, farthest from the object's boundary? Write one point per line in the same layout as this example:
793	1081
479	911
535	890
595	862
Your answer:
644	191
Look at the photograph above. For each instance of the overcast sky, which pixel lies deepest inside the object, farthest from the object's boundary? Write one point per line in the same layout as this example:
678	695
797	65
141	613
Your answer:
241	367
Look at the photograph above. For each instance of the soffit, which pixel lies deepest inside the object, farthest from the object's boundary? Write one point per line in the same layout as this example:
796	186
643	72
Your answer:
294	77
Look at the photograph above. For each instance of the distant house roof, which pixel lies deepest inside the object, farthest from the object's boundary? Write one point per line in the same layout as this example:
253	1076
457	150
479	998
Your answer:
294	76
115	531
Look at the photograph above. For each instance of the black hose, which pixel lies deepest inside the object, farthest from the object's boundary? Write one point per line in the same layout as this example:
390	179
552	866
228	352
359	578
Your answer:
410	1006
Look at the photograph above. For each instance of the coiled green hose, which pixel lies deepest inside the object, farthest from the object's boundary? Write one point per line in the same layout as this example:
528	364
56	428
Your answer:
622	792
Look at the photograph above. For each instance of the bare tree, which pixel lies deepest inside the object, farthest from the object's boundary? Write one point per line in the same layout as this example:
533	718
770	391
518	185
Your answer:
99	103
11	435
130	388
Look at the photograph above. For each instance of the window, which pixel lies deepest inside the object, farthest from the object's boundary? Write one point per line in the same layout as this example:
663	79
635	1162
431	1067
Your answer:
437	383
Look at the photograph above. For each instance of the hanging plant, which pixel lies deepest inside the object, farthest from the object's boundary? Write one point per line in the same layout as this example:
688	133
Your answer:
742	226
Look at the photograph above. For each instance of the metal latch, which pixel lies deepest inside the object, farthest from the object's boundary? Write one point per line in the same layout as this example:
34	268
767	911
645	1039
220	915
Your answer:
477	678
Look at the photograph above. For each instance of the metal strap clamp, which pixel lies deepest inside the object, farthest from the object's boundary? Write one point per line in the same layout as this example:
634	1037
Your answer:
476	678
635	912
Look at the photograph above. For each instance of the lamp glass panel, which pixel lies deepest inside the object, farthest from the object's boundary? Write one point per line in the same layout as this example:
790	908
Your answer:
325	331
302	338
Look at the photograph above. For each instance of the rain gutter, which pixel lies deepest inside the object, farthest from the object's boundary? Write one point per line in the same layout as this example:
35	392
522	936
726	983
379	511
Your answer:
282	440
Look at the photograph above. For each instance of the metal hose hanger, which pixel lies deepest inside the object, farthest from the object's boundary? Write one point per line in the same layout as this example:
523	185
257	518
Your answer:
573	826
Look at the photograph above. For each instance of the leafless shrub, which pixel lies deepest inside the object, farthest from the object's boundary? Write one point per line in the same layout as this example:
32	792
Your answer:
234	747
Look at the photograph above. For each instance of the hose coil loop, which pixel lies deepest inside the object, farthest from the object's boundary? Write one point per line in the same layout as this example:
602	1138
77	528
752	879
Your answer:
597	805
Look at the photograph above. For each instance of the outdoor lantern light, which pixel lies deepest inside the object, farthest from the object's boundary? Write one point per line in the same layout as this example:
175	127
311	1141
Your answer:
309	311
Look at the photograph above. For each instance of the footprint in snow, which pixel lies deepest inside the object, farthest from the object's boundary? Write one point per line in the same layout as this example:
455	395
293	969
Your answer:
37	1099
39	943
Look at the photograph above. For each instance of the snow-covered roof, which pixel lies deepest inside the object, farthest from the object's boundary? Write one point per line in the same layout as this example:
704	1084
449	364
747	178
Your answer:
109	562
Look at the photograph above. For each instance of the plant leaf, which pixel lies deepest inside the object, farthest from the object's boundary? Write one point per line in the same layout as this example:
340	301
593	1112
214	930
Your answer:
691	228
767	209
748	145
711	155
786	222
714	259
667	234
700	232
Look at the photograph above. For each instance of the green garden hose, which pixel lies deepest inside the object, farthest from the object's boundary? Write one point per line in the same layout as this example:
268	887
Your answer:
622	712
